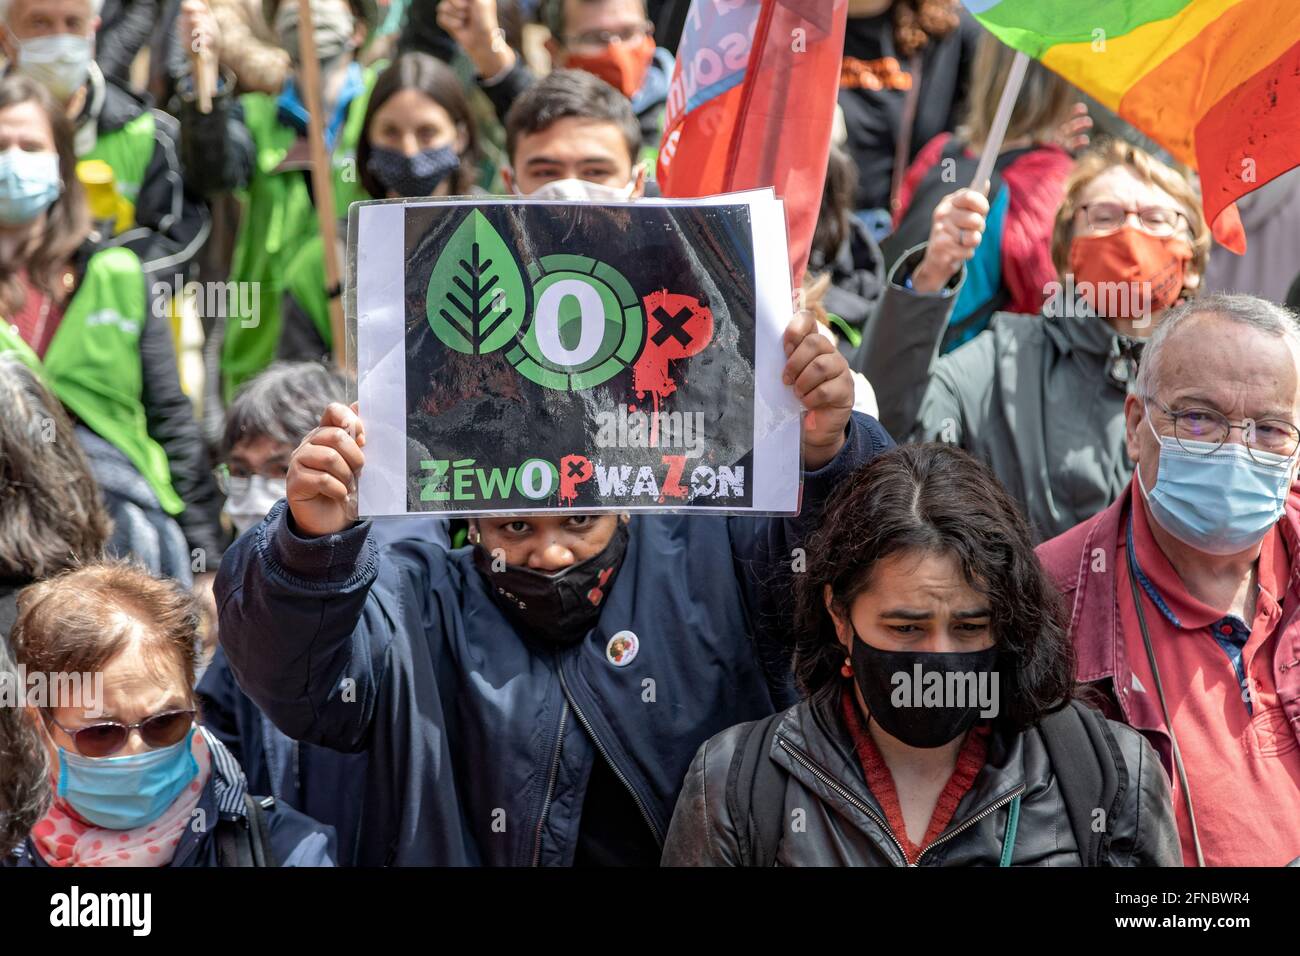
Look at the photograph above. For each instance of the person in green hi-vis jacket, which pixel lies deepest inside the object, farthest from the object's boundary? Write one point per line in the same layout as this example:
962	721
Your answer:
154	211
255	145
418	139
81	314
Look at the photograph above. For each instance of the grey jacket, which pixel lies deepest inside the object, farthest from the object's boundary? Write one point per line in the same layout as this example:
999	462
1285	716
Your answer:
1040	400
842	823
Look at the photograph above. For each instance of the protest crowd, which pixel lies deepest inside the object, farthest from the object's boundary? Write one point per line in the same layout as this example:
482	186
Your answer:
1040	601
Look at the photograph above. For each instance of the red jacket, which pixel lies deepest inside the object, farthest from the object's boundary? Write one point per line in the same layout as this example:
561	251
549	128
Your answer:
1083	562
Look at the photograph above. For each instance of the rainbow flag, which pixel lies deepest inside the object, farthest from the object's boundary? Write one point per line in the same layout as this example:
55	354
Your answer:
1216	82
752	104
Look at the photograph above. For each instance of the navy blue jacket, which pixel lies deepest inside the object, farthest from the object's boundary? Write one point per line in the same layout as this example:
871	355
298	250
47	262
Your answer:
481	742
296	840
325	784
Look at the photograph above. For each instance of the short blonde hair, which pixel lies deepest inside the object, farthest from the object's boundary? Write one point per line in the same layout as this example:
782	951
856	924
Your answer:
1108	154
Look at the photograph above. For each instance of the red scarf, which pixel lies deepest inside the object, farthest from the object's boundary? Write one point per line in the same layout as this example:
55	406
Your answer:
970	760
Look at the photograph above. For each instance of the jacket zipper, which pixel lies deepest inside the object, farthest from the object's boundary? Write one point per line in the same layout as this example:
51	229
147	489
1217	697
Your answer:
550	782
645	814
944	838
830	782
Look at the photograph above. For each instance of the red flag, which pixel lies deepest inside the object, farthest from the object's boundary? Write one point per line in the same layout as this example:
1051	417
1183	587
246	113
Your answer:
752	104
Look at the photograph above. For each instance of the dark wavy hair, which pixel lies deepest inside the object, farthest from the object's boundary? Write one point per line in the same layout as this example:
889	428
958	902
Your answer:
24	765
935	498
51	514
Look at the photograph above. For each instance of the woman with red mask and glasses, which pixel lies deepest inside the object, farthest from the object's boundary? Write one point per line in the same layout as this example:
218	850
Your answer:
1041	397
136	780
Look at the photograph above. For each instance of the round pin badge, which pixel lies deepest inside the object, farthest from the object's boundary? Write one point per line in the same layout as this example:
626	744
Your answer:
621	649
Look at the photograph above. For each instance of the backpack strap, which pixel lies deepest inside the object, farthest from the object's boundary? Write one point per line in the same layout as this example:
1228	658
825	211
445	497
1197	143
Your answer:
246	841
756	794
1090	771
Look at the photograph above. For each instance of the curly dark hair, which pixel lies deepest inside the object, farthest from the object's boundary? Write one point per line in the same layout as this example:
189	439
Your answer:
917	22
936	498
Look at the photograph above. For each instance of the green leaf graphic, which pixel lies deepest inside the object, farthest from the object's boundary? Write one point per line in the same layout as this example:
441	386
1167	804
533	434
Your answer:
477	296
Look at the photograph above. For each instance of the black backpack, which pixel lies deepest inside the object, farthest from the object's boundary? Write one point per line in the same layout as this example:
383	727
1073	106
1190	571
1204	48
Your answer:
1084	755
246	841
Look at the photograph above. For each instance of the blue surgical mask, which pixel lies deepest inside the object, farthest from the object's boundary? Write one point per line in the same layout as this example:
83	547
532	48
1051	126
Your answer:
122	793
1221	502
60	63
29	183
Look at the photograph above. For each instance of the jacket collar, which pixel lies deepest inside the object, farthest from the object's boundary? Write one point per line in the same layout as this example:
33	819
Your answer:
812	745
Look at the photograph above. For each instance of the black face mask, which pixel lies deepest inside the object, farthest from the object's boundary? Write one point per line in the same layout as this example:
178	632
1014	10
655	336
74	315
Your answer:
412	176
559	608
915	710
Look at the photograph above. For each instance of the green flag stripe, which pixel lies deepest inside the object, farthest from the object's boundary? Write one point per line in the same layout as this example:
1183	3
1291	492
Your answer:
1035	26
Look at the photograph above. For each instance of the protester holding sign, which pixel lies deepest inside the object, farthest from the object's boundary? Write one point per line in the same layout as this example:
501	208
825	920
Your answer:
534	698
937	677
84	311
1040	398
1183	592
418	139
256	145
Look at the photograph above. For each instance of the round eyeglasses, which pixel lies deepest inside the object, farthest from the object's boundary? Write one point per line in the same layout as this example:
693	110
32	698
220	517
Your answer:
1202	431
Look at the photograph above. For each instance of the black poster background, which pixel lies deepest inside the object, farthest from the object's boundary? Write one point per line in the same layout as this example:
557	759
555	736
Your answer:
478	406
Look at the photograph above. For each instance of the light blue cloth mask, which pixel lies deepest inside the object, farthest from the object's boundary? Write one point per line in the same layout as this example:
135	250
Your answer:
122	793
1220	502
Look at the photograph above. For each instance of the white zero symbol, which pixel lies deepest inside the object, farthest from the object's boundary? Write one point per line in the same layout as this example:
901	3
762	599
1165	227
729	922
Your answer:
547	322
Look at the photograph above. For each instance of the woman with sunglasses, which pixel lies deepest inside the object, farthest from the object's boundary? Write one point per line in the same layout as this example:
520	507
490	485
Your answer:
137	782
1040	398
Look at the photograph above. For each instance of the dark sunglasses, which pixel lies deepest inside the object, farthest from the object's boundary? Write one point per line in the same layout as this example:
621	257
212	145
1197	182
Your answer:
106	739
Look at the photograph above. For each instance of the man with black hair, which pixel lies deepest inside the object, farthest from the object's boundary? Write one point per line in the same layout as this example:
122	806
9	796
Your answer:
572	136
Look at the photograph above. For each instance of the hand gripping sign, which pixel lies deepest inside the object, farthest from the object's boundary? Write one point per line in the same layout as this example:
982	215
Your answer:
521	356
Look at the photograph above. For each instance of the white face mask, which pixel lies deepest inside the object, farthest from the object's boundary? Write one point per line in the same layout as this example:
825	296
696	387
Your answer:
248	505
579	190
60	63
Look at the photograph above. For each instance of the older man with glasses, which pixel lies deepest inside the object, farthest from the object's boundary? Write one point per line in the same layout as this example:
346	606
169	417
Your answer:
1185	592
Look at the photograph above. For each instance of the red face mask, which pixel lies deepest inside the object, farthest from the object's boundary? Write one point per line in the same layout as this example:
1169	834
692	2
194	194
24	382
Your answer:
621	65
1129	270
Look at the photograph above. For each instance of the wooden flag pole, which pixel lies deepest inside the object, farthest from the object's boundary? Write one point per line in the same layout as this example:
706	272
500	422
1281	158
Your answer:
203	66
322	179
1001	119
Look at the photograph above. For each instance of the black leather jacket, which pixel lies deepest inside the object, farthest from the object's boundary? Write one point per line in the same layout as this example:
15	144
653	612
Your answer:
842	824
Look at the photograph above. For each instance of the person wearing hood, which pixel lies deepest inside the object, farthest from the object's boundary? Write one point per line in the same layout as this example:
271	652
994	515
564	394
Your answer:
255	144
137	781
138	188
418	139
611	39
1040	398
